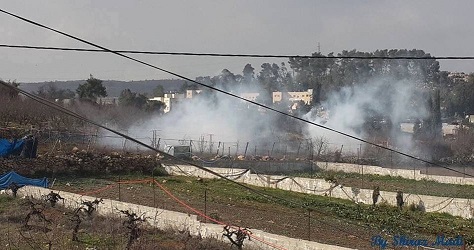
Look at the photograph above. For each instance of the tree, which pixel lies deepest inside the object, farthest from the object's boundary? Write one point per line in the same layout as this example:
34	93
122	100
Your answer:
126	97
248	74
417	132
227	80
186	86
326	74
91	89
268	79
207	93
314	73
159	91
436	126
52	92
155	107
141	101
461	99
431	127
129	98
248	80
7	91
274	78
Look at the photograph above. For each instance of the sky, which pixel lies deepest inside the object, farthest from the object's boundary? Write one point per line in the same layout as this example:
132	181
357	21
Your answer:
441	28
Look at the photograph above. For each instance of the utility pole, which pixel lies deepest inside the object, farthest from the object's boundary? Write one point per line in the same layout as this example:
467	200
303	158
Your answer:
237	149
210	143
153	140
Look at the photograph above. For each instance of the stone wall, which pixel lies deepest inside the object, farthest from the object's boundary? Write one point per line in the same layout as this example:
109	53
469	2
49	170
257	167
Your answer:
454	206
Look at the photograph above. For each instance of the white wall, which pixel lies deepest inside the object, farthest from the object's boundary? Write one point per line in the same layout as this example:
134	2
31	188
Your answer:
454	206
405	173
164	219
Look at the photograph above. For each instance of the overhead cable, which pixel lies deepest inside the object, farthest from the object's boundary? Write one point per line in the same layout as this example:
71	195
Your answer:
230	94
268	196
239	55
169	156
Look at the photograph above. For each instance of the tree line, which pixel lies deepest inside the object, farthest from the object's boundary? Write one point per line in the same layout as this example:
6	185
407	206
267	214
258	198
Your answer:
324	75
93	88
328	74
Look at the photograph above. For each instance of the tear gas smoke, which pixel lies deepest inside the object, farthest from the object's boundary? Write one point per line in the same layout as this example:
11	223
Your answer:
380	103
226	119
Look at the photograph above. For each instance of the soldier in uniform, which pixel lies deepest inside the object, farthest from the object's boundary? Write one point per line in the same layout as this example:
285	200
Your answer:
375	195
14	188
400	201
53	198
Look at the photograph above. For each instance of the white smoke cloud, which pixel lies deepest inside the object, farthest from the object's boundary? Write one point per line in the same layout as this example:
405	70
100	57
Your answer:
226	119
383	101
230	120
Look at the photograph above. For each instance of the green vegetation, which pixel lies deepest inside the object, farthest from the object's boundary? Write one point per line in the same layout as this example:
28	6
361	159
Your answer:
91	89
394	183
382	218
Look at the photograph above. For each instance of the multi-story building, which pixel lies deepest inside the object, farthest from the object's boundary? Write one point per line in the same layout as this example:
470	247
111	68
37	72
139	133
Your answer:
250	96
458	77
190	93
470	118
107	100
169	100
305	96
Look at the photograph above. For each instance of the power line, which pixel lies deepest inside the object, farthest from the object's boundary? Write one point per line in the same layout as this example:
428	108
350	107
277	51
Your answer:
77	116
223	92
238	55
268	196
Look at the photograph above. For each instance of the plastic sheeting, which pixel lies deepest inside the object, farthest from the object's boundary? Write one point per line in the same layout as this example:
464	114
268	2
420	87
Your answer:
8	147
25	147
10	177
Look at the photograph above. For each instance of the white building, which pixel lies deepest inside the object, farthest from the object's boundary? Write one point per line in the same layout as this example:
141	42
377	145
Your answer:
169	100
306	96
250	96
458	77
470	118
447	129
108	100
190	93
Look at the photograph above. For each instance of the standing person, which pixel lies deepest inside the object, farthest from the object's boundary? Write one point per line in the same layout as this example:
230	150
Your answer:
14	188
375	195
400	201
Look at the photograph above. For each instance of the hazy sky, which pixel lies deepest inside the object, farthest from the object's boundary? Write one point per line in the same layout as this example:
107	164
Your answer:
442	28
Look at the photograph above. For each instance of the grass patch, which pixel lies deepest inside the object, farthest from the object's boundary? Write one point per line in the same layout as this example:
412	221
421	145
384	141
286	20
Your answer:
394	183
383	218
409	221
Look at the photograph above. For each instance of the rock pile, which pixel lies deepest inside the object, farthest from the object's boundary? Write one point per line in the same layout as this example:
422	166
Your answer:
80	162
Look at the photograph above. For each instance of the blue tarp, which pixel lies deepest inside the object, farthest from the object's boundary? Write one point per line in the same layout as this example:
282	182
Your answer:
10	177
8	148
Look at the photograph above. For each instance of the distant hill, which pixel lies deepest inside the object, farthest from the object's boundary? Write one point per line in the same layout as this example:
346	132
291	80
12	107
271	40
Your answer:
113	87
